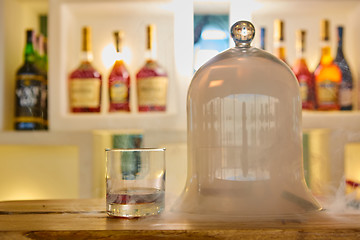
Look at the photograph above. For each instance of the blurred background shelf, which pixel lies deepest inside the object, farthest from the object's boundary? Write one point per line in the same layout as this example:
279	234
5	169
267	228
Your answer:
346	120
175	21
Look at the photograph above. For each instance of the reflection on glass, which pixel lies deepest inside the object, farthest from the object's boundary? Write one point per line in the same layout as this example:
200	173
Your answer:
211	36
243	121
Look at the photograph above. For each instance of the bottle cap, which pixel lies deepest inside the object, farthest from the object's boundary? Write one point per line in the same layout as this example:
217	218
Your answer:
151	31
262	37
300	40
119	35
340	32
29	35
279	30
86	45
325	36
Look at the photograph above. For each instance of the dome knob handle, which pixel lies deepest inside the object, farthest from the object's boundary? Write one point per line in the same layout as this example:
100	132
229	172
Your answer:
243	32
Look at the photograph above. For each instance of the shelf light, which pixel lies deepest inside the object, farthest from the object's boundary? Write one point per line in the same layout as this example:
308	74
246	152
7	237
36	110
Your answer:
109	55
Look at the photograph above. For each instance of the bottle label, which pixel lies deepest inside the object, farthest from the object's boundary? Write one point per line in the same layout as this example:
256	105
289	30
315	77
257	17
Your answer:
85	92
28	93
119	92
152	91
304	90
327	92
345	96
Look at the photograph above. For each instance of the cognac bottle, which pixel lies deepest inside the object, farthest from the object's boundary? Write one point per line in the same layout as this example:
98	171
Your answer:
85	81
327	75
151	79
119	80
302	72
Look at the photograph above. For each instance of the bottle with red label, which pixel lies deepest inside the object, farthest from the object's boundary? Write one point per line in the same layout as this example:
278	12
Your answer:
302	73
119	80
152	79
85	81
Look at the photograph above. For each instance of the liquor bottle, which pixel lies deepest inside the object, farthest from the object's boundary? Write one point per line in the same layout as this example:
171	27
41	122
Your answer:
327	74
262	38
28	113
346	85
279	40
40	53
45	88
151	79
302	72
42	64
119	80
85	81
43	31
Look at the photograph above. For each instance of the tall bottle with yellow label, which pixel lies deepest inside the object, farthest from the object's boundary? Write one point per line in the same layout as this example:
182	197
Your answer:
151	79
85	81
327	75
119	80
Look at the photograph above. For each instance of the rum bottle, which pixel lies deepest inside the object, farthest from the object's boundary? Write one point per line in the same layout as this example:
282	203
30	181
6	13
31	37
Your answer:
151	79
119	80
279	40
346	85
85	81
29	81
302	72
327	75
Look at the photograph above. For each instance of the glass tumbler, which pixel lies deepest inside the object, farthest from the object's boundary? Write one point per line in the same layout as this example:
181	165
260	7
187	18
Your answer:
135	182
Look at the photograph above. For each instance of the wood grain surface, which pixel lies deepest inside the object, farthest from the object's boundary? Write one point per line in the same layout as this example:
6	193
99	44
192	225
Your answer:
87	219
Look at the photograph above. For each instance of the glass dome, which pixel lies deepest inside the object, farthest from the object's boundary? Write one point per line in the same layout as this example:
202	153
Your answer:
245	135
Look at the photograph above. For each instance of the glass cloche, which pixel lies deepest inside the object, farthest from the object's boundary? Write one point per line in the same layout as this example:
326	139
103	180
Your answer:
245	135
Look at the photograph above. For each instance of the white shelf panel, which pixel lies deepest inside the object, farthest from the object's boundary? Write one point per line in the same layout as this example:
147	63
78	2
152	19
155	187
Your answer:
343	120
68	17
151	121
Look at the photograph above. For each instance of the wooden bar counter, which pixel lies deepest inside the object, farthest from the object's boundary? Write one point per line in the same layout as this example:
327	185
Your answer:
87	219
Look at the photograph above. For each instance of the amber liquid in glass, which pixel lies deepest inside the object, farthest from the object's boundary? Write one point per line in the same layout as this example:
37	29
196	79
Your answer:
85	82
135	202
